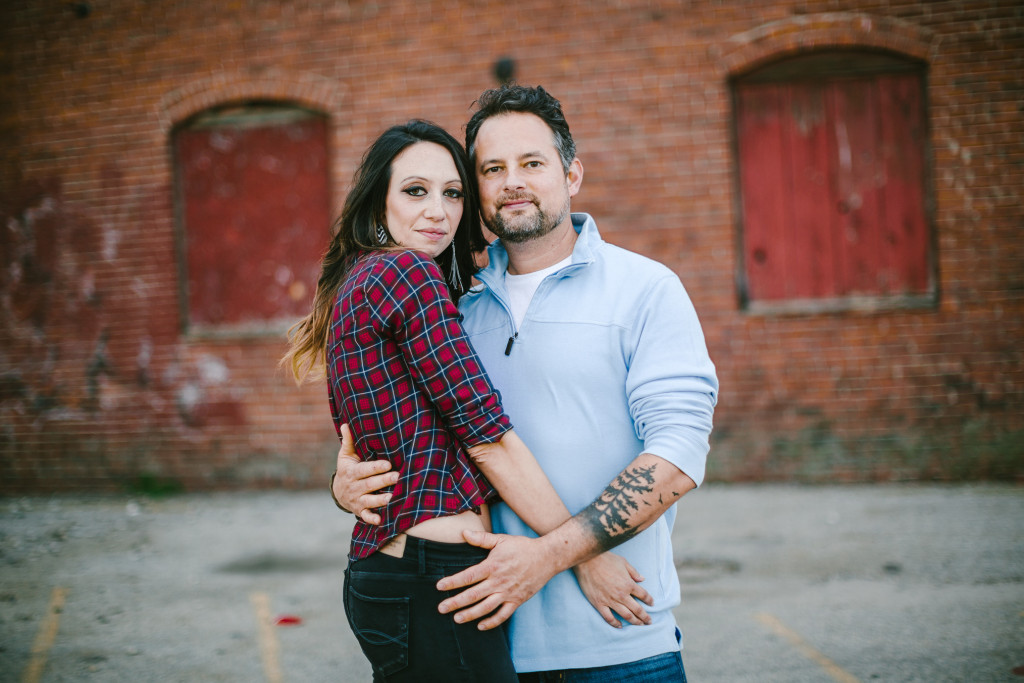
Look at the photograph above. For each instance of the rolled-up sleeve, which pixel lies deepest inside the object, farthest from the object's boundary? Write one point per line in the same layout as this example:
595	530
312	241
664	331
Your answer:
412	307
671	383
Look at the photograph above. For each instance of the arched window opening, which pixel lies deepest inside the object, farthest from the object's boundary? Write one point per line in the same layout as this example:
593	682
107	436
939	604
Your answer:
253	206
832	164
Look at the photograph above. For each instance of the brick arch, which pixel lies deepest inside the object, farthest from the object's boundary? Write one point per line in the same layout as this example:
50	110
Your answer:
239	296
745	51
311	90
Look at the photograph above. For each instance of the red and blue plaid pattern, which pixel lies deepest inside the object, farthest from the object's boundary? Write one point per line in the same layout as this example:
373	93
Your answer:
403	375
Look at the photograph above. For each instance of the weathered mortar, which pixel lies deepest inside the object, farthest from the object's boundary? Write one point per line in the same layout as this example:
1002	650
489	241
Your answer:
99	386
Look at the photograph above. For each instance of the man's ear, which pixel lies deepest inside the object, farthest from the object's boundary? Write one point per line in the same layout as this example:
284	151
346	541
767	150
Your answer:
574	178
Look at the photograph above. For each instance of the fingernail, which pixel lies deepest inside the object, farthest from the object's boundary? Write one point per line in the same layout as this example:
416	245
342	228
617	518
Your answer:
458	619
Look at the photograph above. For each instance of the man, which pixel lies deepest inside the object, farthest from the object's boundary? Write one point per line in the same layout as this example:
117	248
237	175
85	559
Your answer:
602	367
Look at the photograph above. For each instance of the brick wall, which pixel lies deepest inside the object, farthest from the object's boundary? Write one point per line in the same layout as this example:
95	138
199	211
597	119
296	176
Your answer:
100	389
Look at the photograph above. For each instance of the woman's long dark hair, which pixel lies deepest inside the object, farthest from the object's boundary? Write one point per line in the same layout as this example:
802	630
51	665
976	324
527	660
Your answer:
356	231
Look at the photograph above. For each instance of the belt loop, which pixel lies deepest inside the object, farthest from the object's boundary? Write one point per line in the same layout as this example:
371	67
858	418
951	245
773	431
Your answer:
422	552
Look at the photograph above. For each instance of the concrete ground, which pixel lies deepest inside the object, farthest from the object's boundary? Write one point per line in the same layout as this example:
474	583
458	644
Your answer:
860	583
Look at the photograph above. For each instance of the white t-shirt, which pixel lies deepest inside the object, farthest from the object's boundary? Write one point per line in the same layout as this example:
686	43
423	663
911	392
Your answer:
521	288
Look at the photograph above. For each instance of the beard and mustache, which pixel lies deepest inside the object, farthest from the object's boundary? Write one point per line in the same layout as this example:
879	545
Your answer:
524	228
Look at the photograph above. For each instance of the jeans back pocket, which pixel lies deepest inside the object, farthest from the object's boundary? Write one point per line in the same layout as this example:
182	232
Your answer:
381	625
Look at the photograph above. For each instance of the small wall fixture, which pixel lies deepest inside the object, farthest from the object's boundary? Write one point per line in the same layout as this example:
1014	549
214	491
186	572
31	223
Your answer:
505	70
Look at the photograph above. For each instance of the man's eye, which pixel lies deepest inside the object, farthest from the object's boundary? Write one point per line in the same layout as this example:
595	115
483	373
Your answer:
533	164
492	170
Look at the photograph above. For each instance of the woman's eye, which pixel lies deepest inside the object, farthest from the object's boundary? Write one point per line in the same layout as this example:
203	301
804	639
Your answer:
415	191
453	193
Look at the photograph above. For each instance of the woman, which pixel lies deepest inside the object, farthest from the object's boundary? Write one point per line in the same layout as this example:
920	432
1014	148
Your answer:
403	375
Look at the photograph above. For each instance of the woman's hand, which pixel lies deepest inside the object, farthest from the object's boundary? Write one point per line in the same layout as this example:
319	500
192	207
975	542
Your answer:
355	481
612	585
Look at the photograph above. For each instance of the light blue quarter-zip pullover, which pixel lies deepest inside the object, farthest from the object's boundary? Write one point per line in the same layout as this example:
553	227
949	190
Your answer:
608	363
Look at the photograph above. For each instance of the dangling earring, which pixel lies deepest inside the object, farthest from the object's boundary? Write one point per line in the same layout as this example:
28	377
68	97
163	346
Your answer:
382	234
453	273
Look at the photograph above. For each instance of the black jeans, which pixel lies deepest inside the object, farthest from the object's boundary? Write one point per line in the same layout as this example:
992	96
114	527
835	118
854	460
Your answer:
391	604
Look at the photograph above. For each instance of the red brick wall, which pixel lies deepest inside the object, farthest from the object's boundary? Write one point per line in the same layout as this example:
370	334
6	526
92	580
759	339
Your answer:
99	387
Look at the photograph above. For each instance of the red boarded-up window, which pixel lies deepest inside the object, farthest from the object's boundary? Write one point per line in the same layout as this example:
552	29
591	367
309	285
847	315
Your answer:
832	171
254	205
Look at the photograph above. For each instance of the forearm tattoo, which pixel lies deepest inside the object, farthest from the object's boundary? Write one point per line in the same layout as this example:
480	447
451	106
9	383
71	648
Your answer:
609	518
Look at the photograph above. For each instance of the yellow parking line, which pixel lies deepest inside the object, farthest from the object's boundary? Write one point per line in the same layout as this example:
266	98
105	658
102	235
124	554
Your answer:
805	648
45	637
268	637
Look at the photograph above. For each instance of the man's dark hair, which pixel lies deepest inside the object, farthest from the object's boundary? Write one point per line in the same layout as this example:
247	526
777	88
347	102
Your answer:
520	98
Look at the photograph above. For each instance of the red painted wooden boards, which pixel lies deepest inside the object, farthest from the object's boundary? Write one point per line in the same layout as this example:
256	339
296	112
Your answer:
255	205
832	176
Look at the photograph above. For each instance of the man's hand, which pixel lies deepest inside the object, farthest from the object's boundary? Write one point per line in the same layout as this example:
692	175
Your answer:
611	584
516	568
356	481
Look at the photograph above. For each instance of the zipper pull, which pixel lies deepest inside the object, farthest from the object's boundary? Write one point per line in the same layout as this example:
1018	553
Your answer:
508	347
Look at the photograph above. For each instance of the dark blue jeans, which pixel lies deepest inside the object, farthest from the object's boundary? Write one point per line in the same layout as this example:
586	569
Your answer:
666	668
391	604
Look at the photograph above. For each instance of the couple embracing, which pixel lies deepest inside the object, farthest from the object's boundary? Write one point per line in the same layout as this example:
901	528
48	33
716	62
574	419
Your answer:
593	353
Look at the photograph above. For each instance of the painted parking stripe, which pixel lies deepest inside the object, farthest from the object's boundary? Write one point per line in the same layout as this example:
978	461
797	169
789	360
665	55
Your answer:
805	648
45	637
268	637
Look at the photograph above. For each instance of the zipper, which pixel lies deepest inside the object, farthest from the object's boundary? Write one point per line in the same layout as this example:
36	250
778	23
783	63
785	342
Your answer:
515	334
511	340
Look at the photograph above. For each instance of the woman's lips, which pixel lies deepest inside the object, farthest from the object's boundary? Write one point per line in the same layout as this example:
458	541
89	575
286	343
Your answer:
435	235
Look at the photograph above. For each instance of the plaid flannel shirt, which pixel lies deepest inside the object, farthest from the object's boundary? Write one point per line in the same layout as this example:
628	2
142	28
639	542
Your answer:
403	375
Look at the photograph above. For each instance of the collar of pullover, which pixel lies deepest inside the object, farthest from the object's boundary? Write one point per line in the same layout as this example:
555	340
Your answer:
587	241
